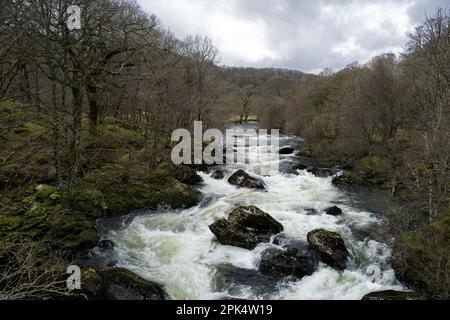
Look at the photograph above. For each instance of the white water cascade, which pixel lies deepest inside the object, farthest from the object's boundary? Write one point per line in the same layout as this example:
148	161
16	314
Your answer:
177	249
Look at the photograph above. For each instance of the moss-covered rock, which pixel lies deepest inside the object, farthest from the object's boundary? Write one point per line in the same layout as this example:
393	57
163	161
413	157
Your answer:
182	173
391	295
421	258
242	179
375	164
246	227
177	195
307	151
10	223
119	284
330	246
255	218
43	191
86	239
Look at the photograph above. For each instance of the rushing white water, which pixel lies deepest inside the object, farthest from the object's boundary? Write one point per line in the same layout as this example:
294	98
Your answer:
177	249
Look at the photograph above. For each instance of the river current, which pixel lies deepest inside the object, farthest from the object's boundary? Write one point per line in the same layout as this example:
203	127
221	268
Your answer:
177	249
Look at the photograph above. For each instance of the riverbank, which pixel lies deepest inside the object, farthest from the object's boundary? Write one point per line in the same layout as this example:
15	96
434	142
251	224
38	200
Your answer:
421	246
42	228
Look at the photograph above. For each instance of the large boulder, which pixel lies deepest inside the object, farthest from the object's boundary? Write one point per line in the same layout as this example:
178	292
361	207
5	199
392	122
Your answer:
246	227
182	173
254	218
177	195
298	262
330	246
242	179
119	284
233	234
392	295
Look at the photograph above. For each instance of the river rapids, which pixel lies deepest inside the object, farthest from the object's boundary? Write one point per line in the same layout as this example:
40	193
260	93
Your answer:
177	249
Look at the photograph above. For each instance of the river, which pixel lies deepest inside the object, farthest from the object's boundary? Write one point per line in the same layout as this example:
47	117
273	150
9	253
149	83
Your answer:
177	249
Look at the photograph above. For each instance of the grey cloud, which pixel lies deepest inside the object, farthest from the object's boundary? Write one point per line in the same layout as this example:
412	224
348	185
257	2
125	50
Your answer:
307	37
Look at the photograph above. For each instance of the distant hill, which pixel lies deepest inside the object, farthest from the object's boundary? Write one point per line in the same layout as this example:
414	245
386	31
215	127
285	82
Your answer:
265	81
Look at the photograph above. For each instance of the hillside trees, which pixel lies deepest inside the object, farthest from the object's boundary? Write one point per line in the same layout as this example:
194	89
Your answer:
121	64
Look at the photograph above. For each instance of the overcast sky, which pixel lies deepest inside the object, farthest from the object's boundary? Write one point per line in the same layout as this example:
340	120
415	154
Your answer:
307	35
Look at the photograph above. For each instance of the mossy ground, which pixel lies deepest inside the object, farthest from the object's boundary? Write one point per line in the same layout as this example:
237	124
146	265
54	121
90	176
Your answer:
421	257
116	177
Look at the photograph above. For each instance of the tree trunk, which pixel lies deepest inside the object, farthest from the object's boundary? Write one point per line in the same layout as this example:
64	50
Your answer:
93	106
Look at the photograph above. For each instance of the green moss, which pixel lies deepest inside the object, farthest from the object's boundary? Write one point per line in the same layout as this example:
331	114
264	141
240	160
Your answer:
8	223
307	151
177	195
36	211
43	191
421	257
84	240
181	173
90	200
55	196
374	163
29	128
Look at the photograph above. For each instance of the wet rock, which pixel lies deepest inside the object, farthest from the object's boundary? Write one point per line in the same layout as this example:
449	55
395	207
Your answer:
292	262
287	150
233	234
392	295
330	246
218	175
177	195
106	245
254	218
246	227
242	179
182	173
333	211
280	239
119	284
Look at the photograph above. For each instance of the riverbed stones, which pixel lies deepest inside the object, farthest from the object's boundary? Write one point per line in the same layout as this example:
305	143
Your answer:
246	227
298	262
242	179
330	246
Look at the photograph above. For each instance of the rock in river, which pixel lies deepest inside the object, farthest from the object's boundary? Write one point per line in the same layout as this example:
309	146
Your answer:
297	262
330	246
119	284
254	218
246	227
242	179
287	150
218	175
333	211
391	295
